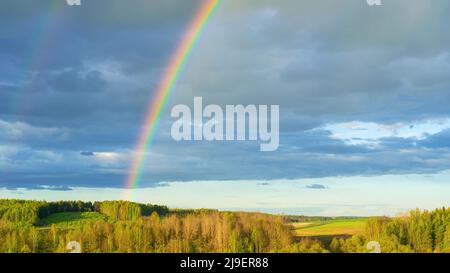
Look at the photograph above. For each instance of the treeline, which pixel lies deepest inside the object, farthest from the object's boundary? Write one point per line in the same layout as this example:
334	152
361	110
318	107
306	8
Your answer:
125	210
420	231
192	211
303	218
30	212
199	232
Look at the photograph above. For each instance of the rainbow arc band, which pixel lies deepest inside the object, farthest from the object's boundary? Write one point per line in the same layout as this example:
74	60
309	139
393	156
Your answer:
164	90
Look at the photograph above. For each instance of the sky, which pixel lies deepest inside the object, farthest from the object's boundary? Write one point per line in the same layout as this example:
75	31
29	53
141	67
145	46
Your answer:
363	92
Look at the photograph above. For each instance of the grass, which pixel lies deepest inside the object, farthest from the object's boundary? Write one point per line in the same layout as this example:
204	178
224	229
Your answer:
72	219
330	228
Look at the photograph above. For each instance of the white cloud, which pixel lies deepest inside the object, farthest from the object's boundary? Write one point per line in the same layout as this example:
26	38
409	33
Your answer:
369	133
22	158
105	159
20	130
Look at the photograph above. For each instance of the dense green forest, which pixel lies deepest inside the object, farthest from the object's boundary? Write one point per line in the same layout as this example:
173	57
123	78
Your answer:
30	212
420	231
156	230
121	226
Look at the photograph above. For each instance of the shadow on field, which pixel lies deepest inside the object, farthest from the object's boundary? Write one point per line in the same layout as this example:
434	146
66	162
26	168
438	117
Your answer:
325	239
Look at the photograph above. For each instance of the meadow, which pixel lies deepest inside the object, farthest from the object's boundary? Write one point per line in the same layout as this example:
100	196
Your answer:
71	219
338	227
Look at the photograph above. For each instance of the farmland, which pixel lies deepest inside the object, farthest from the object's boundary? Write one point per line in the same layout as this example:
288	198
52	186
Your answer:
330	227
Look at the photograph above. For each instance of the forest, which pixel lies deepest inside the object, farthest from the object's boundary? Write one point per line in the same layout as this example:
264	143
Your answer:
419	231
128	227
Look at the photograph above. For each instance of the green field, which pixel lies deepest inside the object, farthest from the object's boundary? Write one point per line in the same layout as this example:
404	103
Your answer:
71	219
330	228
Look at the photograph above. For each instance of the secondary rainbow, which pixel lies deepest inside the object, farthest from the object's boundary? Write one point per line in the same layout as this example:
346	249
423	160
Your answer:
165	88
49	25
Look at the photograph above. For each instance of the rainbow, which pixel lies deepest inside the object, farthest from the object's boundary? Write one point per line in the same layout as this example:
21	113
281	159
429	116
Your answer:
49	25
164	89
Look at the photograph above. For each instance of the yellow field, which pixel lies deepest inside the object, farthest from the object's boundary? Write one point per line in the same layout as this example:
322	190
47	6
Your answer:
330	228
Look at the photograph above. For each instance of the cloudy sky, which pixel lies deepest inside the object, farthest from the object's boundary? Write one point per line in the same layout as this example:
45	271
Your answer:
364	94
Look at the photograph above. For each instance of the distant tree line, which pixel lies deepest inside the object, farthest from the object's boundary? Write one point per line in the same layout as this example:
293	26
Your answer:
191	211
303	218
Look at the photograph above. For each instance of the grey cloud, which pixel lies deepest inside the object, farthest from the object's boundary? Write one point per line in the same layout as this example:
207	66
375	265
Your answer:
38	187
352	77
322	61
437	141
315	186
